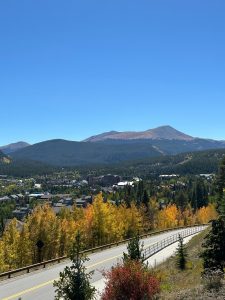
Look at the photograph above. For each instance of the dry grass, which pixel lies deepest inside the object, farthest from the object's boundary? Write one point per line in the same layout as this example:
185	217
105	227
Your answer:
180	285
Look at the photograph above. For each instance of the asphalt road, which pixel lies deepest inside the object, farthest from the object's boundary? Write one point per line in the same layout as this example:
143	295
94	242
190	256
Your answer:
38	285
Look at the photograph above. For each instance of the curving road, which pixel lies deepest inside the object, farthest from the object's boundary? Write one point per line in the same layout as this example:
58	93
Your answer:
38	285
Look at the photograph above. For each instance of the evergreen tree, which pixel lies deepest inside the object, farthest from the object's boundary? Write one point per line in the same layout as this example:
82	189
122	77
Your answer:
181	254
220	188
73	283
182	201
201	194
221	207
214	254
135	250
194	204
140	192
221	179
145	199
152	213
128	195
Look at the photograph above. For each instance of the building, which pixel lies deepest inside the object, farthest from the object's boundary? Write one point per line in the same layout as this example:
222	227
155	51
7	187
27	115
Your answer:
21	213
104	180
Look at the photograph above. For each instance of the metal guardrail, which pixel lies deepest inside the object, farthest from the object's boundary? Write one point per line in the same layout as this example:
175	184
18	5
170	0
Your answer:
37	266
157	247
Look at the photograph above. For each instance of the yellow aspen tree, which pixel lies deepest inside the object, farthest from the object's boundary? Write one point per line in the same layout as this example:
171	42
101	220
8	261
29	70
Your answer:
134	221
205	214
68	231
77	213
201	215
10	241
88	225
188	216
3	266
114	223
117	223
24	248
212	213
43	225
100	221
168	217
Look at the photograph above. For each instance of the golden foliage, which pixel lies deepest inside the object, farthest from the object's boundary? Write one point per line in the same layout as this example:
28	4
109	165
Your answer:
205	214
100	223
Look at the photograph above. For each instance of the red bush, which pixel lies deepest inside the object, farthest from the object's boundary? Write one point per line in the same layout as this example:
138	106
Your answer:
131	281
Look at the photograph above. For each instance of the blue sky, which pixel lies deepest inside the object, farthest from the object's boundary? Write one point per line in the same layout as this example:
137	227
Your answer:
71	69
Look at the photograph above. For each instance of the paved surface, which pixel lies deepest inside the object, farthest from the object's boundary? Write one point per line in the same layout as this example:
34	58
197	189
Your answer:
153	261
38	285
166	253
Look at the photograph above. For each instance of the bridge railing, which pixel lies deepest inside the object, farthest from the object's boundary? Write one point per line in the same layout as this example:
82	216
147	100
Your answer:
157	247
44	264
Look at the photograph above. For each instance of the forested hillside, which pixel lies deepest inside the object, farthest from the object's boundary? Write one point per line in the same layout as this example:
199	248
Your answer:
25	168
185	163
69	153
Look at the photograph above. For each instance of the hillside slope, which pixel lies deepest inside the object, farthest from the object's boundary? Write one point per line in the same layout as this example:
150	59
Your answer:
183	164
68	153
4	159
115	147
193	163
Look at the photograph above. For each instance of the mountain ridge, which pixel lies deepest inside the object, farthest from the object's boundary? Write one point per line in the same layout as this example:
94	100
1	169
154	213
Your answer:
165	132
161	141
10	148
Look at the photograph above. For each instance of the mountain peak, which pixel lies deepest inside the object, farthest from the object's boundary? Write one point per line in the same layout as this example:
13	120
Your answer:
102	136
13	147
165	132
